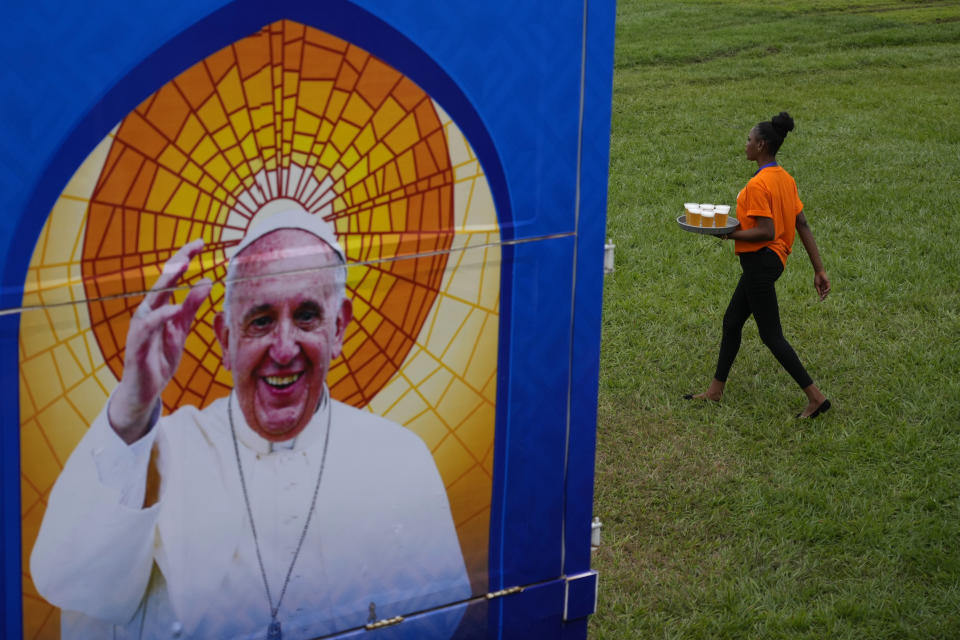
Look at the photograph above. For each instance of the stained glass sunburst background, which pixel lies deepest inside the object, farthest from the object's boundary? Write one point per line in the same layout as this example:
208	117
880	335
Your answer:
288	113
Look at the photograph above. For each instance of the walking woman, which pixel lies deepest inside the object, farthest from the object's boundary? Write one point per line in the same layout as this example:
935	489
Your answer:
770	215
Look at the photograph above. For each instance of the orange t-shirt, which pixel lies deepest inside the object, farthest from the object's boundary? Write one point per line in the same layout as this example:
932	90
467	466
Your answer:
771	193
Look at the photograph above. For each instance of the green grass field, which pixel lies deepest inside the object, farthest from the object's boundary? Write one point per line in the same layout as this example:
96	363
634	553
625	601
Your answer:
736	520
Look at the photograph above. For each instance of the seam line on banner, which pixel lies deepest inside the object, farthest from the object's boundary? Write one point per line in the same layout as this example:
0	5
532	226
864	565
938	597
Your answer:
487	245
573	288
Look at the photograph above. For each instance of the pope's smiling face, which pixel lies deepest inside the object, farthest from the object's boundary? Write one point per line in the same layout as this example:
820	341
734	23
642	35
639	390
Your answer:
285	324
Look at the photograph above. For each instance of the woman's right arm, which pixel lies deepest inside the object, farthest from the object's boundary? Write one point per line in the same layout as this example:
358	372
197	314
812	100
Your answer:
820	281
762	232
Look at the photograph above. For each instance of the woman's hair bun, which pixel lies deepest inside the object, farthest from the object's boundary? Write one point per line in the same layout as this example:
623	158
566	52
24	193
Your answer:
782	122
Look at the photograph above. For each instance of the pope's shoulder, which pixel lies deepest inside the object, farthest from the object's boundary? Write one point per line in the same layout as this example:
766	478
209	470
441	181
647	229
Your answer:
367	428
385	458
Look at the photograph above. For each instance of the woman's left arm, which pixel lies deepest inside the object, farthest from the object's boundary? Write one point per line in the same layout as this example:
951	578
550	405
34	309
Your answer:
820	281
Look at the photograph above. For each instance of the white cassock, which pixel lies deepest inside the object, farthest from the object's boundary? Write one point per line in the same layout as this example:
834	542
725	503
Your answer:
381	538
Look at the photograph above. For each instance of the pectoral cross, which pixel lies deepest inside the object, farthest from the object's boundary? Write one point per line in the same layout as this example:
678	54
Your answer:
273	631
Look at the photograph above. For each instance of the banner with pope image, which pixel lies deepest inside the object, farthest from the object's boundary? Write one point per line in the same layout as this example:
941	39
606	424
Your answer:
294	116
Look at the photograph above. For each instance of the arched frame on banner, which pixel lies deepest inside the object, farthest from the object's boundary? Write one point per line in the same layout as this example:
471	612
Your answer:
235	20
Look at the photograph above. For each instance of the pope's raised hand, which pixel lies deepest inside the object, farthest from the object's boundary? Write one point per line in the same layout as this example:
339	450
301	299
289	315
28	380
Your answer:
155	341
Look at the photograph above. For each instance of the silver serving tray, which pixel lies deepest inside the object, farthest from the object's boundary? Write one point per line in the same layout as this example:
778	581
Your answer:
710	231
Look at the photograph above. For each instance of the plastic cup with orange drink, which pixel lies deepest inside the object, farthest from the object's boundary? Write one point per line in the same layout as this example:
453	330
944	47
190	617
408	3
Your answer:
721	212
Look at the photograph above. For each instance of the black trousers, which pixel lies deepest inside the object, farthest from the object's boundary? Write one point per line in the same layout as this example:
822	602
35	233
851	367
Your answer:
756	294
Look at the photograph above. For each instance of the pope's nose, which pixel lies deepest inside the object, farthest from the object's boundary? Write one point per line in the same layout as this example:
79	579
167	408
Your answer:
284	346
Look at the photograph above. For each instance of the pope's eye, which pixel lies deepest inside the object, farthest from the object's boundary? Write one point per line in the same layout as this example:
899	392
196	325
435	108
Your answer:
259	323
307	315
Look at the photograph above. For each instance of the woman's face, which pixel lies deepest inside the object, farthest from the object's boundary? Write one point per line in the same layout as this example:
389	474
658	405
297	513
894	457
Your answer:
755	144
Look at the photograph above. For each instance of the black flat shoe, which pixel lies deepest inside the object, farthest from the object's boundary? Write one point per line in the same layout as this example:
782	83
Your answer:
688	396
823	408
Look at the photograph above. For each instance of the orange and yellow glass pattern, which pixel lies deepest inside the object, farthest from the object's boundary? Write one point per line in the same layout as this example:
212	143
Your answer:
290	113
